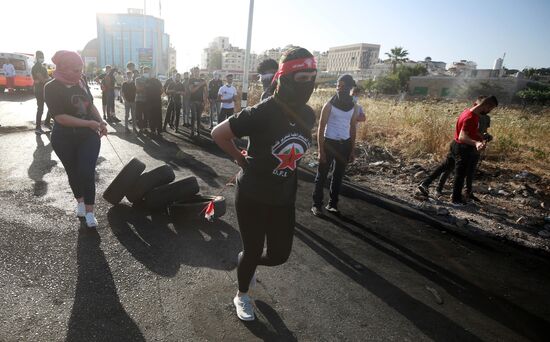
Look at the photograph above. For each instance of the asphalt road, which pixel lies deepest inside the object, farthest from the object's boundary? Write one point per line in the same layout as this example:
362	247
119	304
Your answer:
370	275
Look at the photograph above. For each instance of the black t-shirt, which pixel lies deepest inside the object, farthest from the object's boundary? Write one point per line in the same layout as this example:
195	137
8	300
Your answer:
197	96
276	144
39	69
129	91
176	86
74	100
213	87
153	89
168	83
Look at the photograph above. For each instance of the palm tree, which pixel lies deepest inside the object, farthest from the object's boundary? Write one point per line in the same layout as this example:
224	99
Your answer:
397	55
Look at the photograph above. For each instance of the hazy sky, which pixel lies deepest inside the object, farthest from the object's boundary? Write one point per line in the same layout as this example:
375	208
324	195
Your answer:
478	30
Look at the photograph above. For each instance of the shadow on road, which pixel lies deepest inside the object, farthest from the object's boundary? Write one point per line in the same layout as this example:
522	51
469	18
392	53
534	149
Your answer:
18	96
277	329
170	153
97	314
493	306
41	165
432	323
163	246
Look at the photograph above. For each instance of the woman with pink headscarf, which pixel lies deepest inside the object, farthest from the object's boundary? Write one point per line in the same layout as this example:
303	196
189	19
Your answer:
77	129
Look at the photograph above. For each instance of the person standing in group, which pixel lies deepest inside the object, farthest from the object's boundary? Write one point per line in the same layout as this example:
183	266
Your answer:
186	106
169	117
128	92
154	90
119	79
266	70
468	142
279	131
9	74
40	77
131	66
198	97
336	142
175	91
227	95
141	100
213	86
77	131
109	83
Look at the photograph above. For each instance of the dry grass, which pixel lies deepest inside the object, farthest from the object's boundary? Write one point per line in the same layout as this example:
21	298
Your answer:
420	130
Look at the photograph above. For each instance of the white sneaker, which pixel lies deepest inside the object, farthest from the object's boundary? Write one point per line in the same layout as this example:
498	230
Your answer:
81	209
91	222
245	310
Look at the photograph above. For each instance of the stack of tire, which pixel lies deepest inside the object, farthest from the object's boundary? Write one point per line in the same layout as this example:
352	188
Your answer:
157	190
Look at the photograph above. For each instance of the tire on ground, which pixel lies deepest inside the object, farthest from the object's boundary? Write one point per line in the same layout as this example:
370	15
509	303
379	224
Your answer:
125	179
162	196
148	181
194	208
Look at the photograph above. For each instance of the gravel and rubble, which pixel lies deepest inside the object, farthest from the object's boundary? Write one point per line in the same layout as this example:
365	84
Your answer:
514	205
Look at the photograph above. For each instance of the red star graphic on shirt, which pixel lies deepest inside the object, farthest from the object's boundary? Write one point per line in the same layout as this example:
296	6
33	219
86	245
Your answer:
288	160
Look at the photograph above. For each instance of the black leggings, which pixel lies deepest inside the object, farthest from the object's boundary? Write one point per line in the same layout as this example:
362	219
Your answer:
78	149
258	221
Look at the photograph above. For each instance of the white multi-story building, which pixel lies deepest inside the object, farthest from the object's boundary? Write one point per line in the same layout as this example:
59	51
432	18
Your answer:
171	58
354	57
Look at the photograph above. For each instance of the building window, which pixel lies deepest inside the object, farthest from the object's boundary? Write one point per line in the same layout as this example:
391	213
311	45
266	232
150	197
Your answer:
422	91
445	92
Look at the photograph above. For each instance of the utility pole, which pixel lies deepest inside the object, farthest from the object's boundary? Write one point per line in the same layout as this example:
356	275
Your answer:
244	99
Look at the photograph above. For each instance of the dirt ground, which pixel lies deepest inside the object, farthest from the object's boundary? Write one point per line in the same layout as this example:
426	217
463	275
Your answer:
514	205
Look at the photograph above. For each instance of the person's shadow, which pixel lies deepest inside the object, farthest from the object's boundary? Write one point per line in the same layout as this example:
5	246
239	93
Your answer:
162	244
275	331
42	164
97	314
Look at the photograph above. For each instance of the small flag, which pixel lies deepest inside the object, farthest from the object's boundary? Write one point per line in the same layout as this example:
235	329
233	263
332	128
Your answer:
209	211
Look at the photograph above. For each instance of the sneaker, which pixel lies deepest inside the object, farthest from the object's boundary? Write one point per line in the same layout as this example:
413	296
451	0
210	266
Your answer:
243	305
332	209
80	209
91	222
423	189
39	131
472	197
458	204
317	211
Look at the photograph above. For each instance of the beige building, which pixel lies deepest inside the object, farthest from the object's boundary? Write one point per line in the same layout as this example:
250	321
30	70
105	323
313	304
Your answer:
172	58
354	57
322	60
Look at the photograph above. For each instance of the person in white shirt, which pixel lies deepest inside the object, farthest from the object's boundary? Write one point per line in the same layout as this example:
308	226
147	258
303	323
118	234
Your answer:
9	73
336	142
227	95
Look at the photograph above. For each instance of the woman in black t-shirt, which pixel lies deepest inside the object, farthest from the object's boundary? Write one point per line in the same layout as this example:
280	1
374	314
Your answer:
77	129
279	131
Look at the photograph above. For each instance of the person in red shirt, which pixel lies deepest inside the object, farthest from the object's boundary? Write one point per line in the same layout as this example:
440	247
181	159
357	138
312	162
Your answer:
467	144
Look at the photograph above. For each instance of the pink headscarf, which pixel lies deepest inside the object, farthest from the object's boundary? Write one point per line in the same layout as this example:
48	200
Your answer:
65	64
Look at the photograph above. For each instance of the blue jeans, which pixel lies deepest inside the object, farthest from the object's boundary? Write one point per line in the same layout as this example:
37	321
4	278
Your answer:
78	149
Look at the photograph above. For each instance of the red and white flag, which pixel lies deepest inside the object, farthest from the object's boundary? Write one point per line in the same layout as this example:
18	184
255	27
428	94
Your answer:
209	211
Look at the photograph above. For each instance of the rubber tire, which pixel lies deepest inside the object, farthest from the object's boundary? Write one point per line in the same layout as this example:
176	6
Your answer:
193	208
124	181
162	196
149	180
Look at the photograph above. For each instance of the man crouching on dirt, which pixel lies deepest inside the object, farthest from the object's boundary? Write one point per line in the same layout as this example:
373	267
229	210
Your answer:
468	142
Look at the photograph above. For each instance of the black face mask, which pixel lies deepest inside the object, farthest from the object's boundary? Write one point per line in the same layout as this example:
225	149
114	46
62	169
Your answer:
294	94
